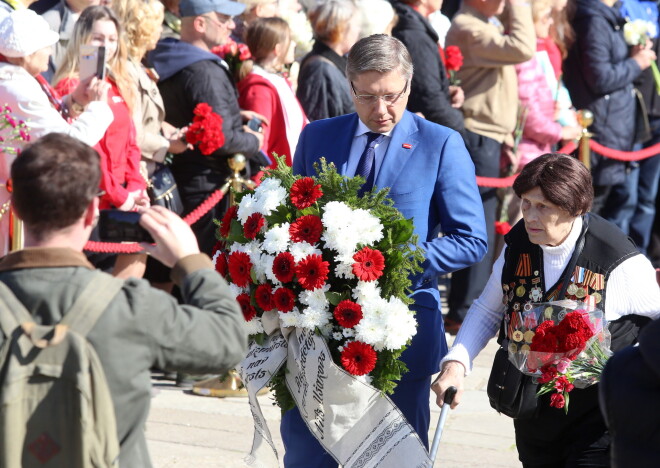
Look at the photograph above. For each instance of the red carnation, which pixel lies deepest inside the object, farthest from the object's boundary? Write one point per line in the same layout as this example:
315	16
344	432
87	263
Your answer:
369	264
284	267
348	313
253	225
249	312
239	268
205	129
305	192
221	264
306	229
312	272
225	225
453	58
284	300
502	227
264	297
358	358
557	400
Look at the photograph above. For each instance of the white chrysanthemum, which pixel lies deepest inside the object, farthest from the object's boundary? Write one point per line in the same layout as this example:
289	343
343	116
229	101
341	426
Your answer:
368	227
254	326
269	200
372	328
335	215
344	268
235	290
290	319
247	207
267	262
364	378
216	255
348	332
312	318
316	299
400	324
300	250
276	239
366	291
337	336
267	185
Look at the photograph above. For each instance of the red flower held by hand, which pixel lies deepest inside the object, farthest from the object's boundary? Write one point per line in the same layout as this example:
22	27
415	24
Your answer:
305	192
264	297
502	227
348	314
563	385
369	264
557	400
306	229
284	299
205	129
312	272
225	225
249	312
284	267
239	268
358	358
453	58
253	225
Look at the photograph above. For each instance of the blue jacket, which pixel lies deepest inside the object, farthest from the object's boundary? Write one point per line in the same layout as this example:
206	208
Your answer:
599	74
432	182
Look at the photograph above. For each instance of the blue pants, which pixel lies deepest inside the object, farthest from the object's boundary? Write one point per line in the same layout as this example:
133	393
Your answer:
302	450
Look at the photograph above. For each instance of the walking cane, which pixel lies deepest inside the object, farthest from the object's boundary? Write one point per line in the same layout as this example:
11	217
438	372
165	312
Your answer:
450	393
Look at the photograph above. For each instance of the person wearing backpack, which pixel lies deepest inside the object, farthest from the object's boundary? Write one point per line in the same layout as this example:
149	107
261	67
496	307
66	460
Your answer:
63	321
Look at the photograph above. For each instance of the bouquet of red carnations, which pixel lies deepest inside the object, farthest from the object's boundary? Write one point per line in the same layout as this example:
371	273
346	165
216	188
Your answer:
205	131
565	344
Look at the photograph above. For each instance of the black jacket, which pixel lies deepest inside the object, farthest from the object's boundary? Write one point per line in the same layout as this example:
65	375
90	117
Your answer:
599	74
630	401
188	76
430	85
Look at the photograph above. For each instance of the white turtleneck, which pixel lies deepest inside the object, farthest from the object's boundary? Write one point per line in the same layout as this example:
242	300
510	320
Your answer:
631	289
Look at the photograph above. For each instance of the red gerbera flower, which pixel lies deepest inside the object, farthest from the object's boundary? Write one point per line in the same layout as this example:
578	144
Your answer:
249	312
369	264
284	299
284	267
225	225
348	313
305	192
221	264
306	229
239	268
312	272
264	297
253	225
358	358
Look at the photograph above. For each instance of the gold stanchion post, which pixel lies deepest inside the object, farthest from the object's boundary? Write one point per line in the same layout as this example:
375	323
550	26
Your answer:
585	118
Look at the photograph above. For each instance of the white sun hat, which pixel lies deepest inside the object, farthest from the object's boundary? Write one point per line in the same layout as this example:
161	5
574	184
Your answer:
23	32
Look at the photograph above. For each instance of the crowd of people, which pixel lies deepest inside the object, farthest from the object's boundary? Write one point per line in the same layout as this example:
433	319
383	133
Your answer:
275	70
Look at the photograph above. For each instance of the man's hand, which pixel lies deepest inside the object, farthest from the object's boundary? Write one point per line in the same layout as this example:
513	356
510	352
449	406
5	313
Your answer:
259	135
643	55
452	374
457	96
174	238
248	115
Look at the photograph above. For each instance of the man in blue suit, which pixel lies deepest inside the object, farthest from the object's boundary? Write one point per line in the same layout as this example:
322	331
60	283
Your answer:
431	179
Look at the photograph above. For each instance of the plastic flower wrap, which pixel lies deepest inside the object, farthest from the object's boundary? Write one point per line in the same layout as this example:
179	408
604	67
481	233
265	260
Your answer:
637	33
308	252
565	344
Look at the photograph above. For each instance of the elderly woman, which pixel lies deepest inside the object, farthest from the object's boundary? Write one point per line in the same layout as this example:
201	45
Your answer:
25	44
323	90
556	195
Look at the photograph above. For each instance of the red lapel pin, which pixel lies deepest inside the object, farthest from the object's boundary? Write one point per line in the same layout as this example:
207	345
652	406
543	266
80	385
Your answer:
407	145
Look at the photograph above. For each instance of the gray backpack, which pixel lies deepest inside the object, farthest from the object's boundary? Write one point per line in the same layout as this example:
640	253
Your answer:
55	405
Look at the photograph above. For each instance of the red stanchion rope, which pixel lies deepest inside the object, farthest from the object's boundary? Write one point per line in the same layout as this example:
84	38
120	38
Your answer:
191	218
624	155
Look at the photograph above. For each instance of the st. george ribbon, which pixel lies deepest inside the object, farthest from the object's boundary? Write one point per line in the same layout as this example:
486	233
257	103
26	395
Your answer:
355	423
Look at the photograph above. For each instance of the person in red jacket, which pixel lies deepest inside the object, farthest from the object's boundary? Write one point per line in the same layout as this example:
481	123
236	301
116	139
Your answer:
265	90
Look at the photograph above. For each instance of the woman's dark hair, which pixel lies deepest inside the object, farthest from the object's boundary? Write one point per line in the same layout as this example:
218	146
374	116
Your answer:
564	181
54	180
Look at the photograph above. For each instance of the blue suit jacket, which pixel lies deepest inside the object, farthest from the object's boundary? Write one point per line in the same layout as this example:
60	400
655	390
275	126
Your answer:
434	183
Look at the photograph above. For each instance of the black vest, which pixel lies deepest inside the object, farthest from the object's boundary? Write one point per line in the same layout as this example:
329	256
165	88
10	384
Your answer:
605	248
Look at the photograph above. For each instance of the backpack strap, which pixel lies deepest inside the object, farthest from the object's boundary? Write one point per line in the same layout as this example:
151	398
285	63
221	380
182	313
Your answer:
92	302
12	312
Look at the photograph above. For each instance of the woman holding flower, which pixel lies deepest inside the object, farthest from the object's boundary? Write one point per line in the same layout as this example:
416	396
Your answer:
556	195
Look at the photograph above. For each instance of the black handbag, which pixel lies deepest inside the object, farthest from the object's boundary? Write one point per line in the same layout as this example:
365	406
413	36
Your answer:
162	190
510	391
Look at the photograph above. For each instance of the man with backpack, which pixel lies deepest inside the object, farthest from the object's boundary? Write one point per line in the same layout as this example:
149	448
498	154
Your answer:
68	329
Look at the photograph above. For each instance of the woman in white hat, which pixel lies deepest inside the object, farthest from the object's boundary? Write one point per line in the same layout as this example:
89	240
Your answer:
25	46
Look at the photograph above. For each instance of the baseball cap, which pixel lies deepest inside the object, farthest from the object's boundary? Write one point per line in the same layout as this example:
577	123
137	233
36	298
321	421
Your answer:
23	32
200	7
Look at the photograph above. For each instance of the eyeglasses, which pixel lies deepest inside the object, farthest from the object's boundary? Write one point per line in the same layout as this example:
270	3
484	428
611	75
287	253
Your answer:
220	22
388	99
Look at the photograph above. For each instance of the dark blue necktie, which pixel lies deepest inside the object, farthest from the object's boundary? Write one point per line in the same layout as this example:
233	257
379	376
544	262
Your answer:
367	167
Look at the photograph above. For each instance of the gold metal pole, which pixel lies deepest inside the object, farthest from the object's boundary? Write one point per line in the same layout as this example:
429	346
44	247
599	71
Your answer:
17	240
585	118
238	183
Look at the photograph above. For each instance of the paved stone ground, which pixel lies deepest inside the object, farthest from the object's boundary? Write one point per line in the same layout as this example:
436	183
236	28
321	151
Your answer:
186	430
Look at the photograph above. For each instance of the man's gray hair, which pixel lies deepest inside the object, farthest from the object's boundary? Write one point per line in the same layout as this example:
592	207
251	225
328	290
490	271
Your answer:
380	53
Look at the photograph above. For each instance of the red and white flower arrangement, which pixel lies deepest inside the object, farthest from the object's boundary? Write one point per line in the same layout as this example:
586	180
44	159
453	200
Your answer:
568	349
312	253
205	131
